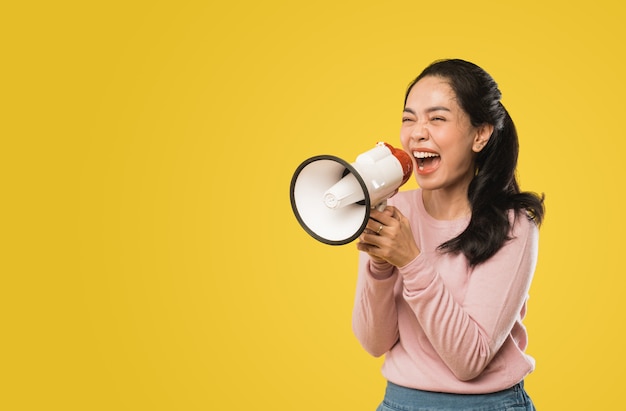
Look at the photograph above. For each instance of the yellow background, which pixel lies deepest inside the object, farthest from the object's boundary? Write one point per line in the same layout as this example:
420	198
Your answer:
150	259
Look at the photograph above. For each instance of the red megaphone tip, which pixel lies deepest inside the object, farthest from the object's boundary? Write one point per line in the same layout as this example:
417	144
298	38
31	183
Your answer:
405	161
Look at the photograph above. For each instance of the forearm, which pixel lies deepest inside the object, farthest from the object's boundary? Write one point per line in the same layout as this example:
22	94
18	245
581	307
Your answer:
375	319
455	336
468	327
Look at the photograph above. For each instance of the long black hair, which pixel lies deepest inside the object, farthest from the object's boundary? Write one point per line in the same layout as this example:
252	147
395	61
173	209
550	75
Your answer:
494	190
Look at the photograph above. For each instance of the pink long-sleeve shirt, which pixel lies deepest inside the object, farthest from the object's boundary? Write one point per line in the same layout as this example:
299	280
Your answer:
442	325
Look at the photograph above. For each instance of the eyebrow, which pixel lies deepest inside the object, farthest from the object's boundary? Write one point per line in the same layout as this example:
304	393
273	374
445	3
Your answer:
428	110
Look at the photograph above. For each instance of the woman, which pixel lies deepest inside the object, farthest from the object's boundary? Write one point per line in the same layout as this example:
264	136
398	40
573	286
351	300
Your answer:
446	268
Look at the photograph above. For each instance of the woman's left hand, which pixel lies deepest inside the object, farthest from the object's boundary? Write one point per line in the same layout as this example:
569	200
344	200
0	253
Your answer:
389	237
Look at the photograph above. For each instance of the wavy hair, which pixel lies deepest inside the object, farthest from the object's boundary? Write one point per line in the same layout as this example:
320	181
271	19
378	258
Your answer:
494	190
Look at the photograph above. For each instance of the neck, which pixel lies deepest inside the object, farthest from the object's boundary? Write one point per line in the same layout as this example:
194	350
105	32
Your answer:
446	205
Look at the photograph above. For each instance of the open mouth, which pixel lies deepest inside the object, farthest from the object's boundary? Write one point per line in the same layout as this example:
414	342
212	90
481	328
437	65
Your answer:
426	160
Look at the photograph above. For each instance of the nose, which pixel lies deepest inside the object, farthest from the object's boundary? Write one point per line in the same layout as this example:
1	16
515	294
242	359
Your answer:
420	132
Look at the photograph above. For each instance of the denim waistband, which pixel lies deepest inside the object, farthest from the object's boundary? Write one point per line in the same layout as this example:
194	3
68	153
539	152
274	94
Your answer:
409	399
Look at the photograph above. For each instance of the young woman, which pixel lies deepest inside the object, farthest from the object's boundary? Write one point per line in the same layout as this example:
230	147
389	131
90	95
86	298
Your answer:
445	269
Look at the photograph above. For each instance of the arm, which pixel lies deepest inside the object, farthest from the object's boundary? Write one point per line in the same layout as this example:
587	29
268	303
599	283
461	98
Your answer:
468	332
375	319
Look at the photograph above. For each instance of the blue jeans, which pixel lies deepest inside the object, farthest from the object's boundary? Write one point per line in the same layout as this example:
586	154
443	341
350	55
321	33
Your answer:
399	398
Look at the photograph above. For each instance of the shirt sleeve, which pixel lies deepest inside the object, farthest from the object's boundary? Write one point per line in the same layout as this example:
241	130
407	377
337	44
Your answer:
375	318
468	332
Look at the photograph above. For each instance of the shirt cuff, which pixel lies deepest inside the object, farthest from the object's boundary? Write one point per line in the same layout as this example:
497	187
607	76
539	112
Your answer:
380	271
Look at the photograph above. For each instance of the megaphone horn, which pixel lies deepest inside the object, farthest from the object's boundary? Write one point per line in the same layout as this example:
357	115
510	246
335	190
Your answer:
332	198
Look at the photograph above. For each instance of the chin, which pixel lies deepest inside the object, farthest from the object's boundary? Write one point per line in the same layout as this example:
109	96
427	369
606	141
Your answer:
426	183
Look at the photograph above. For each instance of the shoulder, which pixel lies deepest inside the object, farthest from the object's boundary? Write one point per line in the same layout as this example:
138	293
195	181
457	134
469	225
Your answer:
523	227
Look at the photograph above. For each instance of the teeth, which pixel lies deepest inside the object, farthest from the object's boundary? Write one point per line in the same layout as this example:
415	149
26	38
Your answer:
424	154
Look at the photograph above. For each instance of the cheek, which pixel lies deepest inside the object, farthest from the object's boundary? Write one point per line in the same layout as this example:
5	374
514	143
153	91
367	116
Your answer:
405	147
404	139
463	158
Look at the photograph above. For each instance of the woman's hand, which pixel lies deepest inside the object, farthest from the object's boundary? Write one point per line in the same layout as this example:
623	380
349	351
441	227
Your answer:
388	237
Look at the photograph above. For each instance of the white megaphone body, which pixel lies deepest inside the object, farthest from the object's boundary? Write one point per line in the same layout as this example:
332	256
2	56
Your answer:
332	198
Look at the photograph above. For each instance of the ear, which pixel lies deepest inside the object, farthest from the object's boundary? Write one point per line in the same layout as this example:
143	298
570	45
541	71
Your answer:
483	134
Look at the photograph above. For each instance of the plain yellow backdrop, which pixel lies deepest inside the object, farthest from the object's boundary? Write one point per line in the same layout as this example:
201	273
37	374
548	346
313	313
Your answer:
150	257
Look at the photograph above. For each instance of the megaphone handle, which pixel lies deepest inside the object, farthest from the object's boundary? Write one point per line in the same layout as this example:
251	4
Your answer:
381	206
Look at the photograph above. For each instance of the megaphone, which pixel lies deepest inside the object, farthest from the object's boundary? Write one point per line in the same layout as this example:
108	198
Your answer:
332	198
